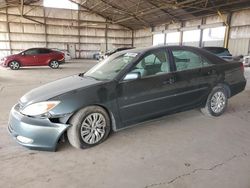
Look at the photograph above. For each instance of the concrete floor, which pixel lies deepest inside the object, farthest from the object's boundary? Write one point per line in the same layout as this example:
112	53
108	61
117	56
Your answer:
182	150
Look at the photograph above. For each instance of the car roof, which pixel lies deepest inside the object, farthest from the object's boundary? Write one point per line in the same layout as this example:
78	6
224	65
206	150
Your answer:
121	48
212	57
214	47
37	48
145	49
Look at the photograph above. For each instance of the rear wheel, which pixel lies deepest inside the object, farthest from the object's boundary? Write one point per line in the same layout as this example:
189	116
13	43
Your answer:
89	126
14	65
54	64
216	102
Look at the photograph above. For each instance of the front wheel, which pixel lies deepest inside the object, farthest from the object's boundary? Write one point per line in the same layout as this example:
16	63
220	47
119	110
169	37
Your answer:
54	64
89	126
14	65
216	102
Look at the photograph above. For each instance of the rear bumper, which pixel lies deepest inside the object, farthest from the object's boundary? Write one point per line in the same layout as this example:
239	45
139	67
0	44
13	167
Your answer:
35	133
237	88
62	61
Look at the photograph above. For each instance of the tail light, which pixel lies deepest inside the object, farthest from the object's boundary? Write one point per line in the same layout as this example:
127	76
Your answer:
242	67
61	56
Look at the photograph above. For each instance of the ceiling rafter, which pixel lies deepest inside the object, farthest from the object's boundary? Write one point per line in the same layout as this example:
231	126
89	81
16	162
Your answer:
127	12
152	10
108	19
95	5
136	14
209	9
174	18
89	9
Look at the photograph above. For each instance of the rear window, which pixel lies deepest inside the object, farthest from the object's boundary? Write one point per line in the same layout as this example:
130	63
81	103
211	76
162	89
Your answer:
44	51
219	51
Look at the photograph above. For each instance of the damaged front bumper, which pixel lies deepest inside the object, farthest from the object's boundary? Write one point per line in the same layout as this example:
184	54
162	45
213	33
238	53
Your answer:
35	133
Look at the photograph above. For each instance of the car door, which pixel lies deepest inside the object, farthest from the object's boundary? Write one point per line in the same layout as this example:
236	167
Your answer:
191	83
43	56
28	57
152	94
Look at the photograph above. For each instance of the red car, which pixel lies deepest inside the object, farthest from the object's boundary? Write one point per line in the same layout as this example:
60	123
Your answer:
34	57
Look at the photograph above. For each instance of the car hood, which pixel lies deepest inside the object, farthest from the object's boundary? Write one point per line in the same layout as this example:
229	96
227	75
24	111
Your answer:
11	56
56	88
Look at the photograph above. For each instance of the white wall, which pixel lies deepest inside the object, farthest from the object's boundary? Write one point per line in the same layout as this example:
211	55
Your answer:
239	42
143	38
61	30
239	38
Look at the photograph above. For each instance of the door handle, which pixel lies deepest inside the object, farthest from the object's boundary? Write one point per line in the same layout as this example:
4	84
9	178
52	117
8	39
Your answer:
210	72
171	80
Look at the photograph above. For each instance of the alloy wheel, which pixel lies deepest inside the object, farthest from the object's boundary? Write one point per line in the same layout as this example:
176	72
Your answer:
14	65
93	128
54	64
218	102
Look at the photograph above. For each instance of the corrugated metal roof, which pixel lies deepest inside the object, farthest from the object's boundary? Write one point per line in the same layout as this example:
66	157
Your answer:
137	14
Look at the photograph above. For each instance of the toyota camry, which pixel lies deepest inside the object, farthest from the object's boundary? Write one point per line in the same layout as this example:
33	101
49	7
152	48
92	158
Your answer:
127	88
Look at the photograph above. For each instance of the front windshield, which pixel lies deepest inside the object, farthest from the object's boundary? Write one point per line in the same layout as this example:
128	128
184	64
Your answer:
111	67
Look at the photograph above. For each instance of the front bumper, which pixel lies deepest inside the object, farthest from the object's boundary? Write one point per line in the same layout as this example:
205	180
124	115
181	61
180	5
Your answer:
61	61
35	133
3	63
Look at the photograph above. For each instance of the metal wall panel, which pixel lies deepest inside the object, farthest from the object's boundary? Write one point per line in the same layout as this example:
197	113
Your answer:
60	28
239	46
143	38
218	43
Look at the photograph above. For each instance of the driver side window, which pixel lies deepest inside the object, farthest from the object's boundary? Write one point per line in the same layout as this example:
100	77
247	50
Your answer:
31	52
153	63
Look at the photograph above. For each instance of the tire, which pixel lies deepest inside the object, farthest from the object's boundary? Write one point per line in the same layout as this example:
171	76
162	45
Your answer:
216	102
81	129
14	65
54	64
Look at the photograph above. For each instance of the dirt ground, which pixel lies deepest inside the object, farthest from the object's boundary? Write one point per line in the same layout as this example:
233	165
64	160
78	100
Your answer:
184	150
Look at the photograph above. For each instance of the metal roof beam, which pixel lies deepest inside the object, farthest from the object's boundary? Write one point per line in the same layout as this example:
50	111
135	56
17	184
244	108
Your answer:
127	12
152	10
89	9
211	9
174	18
96	12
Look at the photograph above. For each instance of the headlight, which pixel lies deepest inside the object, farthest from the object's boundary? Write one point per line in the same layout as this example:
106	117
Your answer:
4	59
39	108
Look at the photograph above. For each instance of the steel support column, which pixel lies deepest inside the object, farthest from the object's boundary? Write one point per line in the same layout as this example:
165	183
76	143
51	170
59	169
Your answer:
203	21
106	36
8	30
228	28
132	44
79	33
45	28
181	34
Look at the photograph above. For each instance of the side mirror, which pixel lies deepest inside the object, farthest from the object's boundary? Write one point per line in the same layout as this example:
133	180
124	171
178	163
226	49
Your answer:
22	53
132	76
